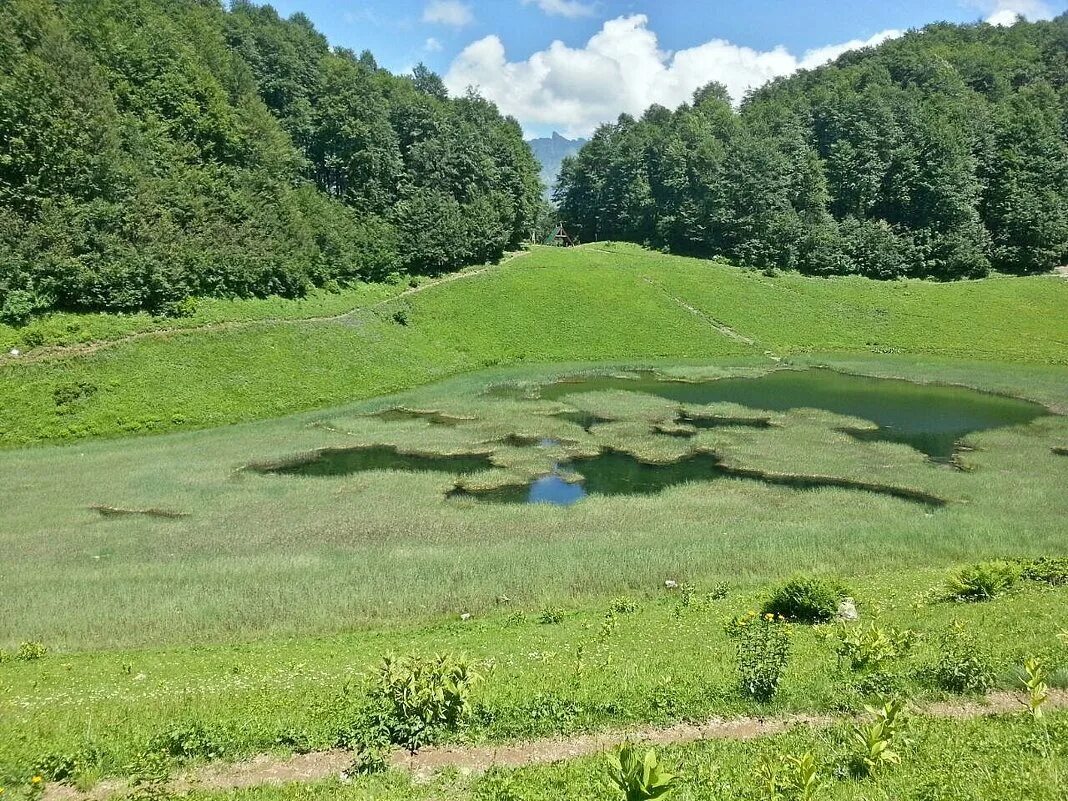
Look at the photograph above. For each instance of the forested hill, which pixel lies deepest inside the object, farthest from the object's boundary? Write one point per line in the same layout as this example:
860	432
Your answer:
151	150
943	154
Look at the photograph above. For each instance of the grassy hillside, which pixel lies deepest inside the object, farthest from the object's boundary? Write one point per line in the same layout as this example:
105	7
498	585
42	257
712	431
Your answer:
599	302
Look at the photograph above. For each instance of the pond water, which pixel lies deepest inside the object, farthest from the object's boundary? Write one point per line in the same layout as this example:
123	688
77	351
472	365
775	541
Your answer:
617	473
345	461
930	418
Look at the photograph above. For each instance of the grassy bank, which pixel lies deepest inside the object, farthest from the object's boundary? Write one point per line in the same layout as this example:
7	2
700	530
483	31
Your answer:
600	302
666	657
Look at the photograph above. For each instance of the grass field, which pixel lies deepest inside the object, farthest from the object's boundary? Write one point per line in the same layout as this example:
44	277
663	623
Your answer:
185	599
597	303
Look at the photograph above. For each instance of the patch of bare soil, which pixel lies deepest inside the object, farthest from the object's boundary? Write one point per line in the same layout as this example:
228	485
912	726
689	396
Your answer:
301	768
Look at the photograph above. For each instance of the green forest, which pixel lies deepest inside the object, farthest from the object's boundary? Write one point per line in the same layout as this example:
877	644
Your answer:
943	154
155	150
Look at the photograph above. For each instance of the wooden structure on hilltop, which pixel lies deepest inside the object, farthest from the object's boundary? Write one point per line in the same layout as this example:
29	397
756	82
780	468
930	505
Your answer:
560	238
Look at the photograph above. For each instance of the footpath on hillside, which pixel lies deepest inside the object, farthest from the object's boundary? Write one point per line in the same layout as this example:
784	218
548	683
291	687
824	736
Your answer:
273	770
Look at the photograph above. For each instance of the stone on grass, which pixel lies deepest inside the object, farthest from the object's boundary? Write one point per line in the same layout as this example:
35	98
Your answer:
671	584
847	610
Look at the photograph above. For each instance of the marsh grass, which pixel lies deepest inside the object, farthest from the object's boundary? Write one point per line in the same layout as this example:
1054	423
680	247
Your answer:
263	555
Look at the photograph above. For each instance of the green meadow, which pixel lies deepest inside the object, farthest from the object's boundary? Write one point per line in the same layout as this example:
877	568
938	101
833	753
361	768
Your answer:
201	585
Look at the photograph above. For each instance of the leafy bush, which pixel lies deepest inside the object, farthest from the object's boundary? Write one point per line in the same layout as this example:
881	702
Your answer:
876	738
623	605
806	599
763	651
66	394
416	698
785	777
983	581
191	741
870	647
18	307
962	666
639	777
1047	570
63	767
551	615
30	652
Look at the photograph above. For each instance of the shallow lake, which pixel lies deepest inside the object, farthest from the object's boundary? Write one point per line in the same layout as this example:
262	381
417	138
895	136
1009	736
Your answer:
931	418
616	473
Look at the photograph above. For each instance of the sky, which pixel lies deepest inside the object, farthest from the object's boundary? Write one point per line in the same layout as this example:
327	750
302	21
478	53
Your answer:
569	65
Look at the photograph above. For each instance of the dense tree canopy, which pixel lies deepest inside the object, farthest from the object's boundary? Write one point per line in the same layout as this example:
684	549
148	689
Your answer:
151	150
942	154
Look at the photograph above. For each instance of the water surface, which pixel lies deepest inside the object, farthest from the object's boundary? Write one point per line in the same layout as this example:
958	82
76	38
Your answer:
931	418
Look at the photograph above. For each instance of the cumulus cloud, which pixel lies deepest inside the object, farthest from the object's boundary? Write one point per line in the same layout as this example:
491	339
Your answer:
563	8
1005	12
448	12
620	69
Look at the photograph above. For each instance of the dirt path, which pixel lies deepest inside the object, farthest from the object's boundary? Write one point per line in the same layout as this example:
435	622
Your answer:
88	348
301	768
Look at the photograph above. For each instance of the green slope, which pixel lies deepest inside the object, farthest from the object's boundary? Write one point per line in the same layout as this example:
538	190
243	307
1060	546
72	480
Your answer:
602	302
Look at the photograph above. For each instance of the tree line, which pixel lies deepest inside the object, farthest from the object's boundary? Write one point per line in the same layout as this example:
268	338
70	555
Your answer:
942	154
155	150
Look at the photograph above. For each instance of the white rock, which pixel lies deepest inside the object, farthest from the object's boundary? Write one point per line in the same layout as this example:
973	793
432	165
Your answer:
15	352
847	610
465	616
671	584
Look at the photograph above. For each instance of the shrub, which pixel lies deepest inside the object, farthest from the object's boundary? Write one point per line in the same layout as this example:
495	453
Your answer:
66	394
785	776
190	741
30	652
982	581
1047	570
639	777
623	605
763	650
806	599
870	647
551	615
60	767
876	738
418	697
18	307
962	667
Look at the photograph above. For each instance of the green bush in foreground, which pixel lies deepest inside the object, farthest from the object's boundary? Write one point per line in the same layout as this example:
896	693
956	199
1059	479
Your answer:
415	698
763	648
639	777
962	666
806	599
983	581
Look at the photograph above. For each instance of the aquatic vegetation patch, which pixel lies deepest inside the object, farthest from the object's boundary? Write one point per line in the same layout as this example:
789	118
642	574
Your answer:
614	473
332	462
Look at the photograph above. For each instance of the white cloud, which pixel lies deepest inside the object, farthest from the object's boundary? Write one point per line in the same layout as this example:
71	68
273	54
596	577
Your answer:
448	12
563	8
1005	12
432	45
620	69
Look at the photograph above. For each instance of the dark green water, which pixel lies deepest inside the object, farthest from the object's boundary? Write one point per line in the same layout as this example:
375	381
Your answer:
931	418
345	461
616	473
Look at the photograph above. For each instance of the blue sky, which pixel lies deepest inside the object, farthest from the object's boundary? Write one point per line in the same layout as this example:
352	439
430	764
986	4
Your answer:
620	55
